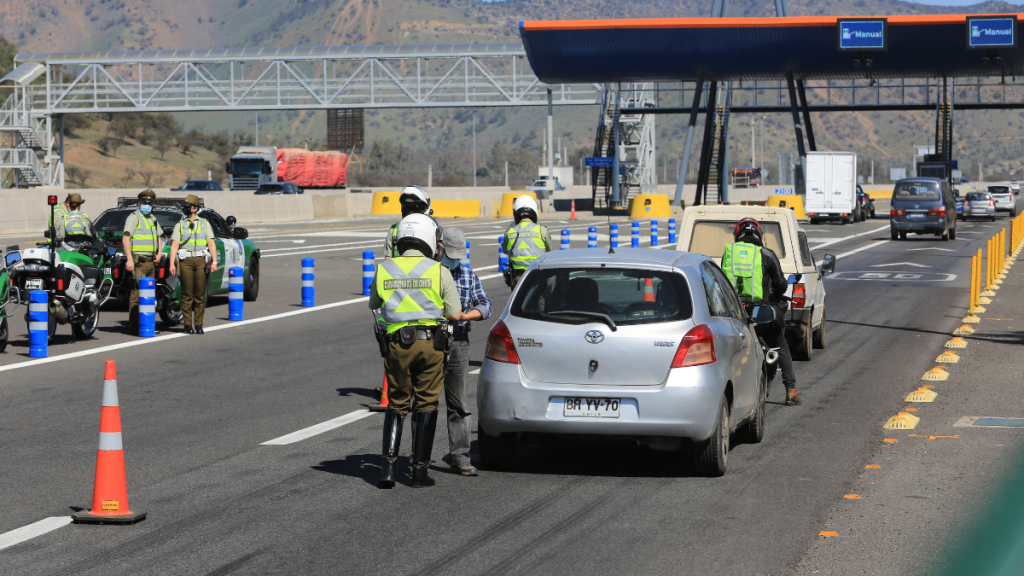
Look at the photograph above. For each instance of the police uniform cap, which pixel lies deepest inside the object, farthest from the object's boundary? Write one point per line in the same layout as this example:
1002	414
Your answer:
75	199
147	193
192	199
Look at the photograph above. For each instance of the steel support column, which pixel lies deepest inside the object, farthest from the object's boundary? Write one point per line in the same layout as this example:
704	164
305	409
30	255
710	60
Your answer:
616	177
794	109
807	116
684	162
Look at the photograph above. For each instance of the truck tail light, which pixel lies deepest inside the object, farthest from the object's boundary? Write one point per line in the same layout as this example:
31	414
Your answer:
697	347
500	346
799	295
940	211
897	212
845	214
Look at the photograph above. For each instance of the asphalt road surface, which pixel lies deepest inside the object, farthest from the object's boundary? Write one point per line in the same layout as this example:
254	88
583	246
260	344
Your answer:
197	410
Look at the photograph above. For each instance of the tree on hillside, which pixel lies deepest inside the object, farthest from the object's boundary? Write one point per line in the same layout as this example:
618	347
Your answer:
123	126
189	139
162	144
7	53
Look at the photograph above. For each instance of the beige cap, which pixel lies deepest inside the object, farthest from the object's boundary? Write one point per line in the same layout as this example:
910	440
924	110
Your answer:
193	199
75	199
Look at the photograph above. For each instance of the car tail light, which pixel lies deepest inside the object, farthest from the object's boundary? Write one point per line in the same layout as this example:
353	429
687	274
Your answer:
697	347
799	295
897	212
967	204
991	202
500	346
940	211
846	214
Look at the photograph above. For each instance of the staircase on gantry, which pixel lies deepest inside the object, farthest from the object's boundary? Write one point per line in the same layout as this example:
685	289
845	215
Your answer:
636	144
26	138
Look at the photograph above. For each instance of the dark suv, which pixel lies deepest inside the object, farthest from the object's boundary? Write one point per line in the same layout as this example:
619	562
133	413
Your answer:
923	206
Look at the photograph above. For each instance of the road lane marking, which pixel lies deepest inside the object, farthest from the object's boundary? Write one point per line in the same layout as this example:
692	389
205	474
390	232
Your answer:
930	248
900	264
477	371
855	250
314	430
838	240
311	246
19	535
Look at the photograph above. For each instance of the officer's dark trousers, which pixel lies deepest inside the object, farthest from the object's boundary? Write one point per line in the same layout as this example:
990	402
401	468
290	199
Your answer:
775	337
414	369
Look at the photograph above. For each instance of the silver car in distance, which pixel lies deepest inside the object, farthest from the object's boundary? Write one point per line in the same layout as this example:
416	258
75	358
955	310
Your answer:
642	346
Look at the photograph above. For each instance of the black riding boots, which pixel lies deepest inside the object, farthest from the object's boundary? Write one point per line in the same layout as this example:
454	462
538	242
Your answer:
392	440
424	424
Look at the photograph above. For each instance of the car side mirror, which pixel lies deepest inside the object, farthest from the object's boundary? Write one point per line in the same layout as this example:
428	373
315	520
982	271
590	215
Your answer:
762	315
231	220
828	264
240	233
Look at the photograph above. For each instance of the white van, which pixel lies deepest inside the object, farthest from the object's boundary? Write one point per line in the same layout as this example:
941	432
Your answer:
832	187
707	229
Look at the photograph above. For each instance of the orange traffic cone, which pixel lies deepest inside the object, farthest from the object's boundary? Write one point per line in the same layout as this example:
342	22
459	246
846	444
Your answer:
383	397
572	215
648	290
110	488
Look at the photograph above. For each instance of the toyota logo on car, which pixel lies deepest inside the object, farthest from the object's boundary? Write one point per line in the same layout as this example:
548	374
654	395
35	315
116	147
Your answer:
594	336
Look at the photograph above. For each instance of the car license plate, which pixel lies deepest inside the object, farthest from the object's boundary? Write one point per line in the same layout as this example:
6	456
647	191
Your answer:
33	284
915	214
106	270
592	407
981	211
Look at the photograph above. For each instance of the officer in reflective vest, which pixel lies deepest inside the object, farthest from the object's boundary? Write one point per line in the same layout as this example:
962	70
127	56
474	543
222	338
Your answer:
142	248
413	200
756	274
526	240
71	220
59	212
192	249
414	294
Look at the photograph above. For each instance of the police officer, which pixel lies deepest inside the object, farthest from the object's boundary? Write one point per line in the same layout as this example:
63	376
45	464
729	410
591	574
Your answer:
71	220
526	240
192	248
142	248
59	212
413	200
414	293
756	274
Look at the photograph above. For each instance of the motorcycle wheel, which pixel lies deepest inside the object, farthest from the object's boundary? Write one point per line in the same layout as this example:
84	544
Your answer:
172	317
86	328
3	330
52	321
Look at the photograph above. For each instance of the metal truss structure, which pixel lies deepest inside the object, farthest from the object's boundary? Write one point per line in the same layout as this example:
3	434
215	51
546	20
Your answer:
429	76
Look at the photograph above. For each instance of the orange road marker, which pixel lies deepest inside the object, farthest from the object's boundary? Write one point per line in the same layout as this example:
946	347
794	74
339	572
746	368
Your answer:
873	467
828	534
932	437
891	440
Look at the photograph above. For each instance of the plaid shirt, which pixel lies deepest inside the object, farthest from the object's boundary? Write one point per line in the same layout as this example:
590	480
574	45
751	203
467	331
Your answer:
472	295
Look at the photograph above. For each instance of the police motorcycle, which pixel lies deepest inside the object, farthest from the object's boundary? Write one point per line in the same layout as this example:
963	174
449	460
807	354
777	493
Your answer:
9	293
70	270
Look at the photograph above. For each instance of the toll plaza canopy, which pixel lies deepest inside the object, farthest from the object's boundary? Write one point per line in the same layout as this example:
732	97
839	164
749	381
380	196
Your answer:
817	47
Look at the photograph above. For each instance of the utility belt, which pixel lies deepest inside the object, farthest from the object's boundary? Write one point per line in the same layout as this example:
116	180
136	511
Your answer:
144	258
204	254
406	335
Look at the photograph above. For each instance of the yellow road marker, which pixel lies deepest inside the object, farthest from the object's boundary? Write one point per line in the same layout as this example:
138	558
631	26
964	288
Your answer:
873	467
948	357
851	496
982	300
936	374
828	534
931	437
965	330
921	395
987	293
902	421
891	440
971	319
957	343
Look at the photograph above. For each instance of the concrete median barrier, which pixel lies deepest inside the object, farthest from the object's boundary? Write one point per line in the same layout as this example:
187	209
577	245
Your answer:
645	206
508	198
456	208
793	202
386	203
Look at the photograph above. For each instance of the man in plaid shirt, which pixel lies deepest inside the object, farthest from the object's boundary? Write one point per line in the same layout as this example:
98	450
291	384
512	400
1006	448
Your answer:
476	306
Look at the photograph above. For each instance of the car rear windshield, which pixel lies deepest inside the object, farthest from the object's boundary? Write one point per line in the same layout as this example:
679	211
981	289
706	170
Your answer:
710	237
999	189
916	192
272	188
113	220
627	296
978	197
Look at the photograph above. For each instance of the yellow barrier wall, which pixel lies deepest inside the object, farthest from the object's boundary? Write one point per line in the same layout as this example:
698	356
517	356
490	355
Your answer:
650	206
385	203
508	198
456	208
878	192
794	203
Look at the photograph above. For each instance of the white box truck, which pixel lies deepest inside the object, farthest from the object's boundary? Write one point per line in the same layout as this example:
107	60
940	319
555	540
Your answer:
832	187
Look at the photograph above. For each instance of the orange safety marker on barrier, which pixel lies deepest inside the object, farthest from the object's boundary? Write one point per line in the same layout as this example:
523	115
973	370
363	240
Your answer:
110	486
383	397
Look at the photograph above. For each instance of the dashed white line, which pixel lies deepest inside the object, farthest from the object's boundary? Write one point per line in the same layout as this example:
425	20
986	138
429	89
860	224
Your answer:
19	535
477	371
320	428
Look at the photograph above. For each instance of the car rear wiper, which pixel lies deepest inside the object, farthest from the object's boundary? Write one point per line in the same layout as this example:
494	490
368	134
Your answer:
607	319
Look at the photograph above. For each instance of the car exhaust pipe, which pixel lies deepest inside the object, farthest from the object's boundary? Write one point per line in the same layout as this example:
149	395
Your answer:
772	356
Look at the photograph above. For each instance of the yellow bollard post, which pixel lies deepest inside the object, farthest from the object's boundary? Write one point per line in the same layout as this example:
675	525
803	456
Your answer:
974	283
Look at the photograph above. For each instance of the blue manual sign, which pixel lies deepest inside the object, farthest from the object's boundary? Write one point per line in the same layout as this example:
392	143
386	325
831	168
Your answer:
599	162
862	35
991	32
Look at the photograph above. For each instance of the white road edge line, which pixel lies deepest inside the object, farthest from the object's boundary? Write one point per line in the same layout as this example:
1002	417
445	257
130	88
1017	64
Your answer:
320	428
855	250
838	240
25	533
477	371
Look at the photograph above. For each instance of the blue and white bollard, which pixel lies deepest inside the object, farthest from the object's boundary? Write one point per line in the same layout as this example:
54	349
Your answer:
38	324
309	292
635	239
147	307
502	257
565	239
654	232
466	263
592	237
671	230
236	293
613	235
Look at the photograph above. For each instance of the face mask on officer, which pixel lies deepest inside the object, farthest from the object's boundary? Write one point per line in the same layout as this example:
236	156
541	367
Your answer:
451	264
146	209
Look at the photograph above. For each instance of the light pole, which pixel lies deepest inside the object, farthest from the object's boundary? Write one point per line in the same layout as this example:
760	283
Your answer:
752	121
257	127
761	127
474	148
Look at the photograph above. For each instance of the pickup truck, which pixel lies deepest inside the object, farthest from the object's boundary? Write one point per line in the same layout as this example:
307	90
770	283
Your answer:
707	229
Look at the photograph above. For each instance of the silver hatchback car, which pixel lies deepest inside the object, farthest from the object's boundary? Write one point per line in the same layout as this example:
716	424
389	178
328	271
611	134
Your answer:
643	346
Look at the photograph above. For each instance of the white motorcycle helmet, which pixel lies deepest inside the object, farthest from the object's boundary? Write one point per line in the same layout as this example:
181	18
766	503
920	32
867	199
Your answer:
414	200
524	207
420	232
